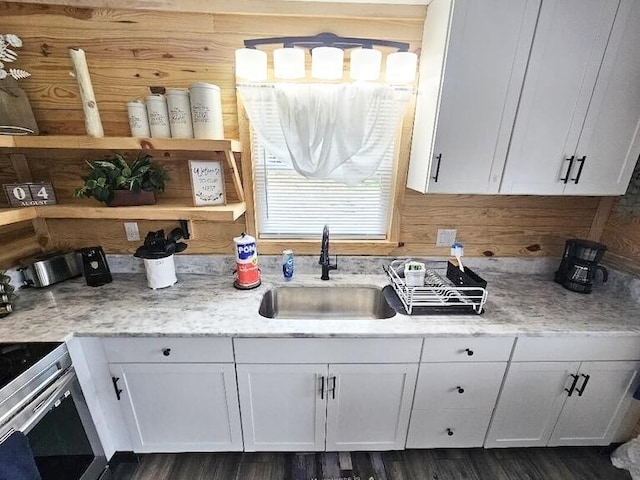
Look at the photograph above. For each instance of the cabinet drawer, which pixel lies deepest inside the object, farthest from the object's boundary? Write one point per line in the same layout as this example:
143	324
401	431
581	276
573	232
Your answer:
168	350
428	428
467	349
550	349
458	385
327	350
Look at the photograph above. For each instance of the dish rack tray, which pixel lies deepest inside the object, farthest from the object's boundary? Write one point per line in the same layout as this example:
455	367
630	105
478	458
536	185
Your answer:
446	288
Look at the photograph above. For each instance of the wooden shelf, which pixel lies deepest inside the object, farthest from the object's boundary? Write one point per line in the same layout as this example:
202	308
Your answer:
16	215
218	213
222	213
161	211
6	141
70	142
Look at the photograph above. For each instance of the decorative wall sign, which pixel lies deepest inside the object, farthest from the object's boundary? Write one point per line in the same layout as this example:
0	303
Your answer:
207	182
29	194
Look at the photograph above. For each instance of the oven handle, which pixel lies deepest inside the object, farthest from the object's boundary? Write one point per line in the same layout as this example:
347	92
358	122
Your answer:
36	393
43	403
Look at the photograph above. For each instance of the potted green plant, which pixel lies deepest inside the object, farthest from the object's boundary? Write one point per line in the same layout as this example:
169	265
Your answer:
117	182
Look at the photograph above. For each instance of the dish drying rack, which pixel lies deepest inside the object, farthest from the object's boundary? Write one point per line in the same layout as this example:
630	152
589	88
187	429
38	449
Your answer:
446	288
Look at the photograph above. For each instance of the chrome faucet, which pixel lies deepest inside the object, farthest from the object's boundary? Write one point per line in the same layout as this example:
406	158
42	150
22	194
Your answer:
325	261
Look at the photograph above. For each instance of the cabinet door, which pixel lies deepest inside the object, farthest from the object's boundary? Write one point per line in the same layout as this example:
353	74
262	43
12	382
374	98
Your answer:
592	414
568	47
486	55
530	402
368	406
180	407
610	142
283	406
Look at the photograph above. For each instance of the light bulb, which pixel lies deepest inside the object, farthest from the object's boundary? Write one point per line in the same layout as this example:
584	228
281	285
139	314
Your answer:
288	63
365	64
401	67
251	64
327	63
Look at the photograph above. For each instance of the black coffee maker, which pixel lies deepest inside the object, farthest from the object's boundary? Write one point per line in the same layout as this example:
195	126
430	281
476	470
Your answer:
580	264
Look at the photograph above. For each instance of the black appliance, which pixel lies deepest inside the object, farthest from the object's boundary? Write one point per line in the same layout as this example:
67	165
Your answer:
579	265
96	268
40	397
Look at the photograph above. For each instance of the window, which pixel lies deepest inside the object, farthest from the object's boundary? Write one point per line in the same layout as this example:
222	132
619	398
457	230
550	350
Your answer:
290	205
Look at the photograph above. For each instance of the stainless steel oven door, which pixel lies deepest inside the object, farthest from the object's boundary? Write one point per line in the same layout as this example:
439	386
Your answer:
61	433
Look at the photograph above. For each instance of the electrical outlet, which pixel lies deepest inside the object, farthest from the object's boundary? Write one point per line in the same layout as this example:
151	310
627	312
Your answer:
133	234
446	237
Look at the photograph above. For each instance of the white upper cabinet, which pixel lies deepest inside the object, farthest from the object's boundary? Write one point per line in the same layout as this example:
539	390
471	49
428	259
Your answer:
610	143
471	71
576	128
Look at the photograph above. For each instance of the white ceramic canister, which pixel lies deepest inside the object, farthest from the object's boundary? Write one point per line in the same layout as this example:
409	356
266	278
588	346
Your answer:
138	120
206	111
158	116
161	272
179	113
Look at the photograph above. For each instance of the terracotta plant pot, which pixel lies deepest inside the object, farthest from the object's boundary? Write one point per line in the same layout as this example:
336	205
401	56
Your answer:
127	198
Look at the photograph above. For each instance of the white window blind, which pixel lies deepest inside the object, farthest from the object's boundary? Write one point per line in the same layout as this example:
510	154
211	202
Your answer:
289	205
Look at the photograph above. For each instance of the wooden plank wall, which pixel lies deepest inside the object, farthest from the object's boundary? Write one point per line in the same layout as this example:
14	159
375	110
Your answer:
622	231
129	51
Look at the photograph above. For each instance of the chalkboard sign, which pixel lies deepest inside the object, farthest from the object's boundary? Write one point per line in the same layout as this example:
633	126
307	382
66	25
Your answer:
207	183
29	194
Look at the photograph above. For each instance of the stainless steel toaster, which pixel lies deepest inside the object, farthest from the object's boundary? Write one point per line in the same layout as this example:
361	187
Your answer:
50	268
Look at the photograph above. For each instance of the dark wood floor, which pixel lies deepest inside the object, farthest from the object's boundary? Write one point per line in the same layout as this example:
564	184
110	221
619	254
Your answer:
438	464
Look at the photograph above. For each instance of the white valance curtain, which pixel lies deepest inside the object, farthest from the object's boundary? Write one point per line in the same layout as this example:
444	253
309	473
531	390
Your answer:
339	132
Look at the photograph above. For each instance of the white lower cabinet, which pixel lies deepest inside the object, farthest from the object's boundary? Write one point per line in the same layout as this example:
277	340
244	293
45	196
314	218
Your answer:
341	407
176	394
283	407
456	393
368	406
318	394
567	402
179	407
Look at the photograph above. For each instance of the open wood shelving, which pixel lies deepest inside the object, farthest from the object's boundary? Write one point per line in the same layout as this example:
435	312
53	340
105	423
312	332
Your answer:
74	142
160	211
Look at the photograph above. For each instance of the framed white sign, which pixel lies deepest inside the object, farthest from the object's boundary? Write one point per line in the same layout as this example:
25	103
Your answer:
207	182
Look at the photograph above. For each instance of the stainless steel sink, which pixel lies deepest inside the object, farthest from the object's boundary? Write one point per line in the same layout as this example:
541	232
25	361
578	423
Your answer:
321	303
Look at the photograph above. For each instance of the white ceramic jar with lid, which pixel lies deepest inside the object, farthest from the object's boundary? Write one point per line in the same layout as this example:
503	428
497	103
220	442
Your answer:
158	116
138	120
179	113
206	111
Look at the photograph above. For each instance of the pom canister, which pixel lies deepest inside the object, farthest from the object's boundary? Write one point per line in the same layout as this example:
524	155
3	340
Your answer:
179	113
138	120
158	116
247	272
206	111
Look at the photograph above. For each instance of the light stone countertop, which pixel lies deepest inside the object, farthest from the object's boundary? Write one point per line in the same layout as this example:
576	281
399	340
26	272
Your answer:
208	305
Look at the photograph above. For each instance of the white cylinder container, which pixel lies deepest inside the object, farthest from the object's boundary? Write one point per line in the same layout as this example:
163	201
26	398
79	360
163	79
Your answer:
179	113
158	116
206	111
161	272
138	120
